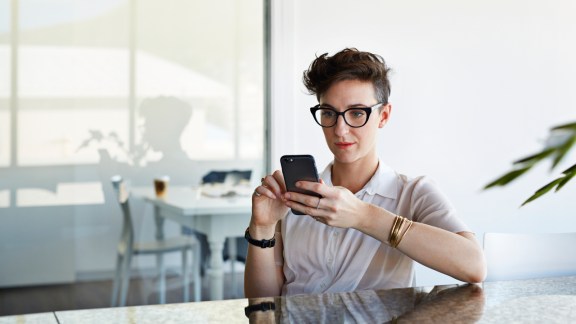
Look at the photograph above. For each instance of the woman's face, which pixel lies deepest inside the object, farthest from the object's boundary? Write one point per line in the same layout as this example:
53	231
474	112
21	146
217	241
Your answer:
350	144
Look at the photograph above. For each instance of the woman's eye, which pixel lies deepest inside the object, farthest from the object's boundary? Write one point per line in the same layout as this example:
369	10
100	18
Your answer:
357	113
327	113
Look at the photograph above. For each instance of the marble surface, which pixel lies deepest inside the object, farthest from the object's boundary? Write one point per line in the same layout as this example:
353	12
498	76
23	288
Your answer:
550	300
39	318
225	311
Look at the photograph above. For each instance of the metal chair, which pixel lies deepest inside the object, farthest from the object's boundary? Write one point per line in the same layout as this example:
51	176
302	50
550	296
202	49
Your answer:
127	248
514	256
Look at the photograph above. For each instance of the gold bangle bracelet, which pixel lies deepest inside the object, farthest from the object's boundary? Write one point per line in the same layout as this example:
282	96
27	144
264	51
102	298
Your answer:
398	230
394	224
404	233
391	236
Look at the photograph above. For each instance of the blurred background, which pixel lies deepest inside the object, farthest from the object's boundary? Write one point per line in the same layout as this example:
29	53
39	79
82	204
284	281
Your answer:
130	87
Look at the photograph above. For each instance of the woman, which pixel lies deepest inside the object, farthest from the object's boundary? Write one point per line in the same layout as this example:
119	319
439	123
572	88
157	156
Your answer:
371	223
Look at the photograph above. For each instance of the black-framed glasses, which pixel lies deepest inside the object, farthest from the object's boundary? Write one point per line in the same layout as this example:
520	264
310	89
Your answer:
353	117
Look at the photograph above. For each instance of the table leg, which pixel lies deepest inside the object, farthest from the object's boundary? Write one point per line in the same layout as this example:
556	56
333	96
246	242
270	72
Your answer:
159	220
232	258
217	228
216	269
160	257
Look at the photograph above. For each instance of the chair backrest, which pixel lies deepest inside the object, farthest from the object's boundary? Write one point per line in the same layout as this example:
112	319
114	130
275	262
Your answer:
122	194
512	256
228	177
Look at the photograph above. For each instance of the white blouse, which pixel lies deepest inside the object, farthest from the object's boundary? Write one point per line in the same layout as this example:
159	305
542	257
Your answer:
318	258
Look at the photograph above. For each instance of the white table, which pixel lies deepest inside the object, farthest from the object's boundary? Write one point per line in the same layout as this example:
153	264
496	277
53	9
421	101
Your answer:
218	218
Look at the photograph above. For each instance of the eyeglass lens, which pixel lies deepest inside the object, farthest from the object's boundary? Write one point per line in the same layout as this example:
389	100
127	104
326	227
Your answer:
327	117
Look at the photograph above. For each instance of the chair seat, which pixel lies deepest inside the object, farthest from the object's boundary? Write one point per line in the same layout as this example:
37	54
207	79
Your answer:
171	244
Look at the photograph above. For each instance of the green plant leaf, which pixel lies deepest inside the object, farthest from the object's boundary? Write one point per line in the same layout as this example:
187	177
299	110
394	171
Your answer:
542	191
565	126
571	169
506	178
558	145
564	181
532	159
568	175
562	150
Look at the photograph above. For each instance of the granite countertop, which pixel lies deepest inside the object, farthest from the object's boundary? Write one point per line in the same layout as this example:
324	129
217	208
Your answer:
537	300
39	318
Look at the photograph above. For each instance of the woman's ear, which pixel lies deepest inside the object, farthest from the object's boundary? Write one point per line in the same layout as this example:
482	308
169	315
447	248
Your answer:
384	115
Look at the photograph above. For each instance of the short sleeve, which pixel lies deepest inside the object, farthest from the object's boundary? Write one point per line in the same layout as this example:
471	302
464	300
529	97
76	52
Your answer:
422	201
278	250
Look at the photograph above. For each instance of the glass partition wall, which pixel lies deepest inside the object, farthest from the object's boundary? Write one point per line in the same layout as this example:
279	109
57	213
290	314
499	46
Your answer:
89	89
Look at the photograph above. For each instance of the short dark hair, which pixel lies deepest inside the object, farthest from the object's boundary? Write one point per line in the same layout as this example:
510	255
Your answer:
348	64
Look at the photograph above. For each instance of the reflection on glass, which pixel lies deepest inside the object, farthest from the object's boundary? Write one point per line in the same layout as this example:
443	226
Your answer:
36	14
442	304
72	71
219	73
4	198
5	83
65	194
4	134
84	71
76	75
57	137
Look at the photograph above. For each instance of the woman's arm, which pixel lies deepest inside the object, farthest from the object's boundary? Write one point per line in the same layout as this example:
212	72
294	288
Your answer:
263	275
456	254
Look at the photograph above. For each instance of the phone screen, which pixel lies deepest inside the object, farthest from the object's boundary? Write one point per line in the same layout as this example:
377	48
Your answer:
296	168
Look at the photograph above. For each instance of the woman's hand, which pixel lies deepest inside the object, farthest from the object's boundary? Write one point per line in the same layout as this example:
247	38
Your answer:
262	276
268	202
338	206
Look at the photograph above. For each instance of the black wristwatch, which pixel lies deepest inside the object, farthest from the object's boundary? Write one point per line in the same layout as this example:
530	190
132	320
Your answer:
262	243
262	307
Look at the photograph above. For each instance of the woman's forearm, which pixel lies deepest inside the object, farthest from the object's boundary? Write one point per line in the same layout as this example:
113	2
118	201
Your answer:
457	255
262	277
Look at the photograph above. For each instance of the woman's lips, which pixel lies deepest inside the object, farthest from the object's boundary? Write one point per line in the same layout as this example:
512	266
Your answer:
344	145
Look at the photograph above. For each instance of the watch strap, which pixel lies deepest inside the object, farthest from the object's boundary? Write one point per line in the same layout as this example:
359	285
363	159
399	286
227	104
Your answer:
262	307
260	243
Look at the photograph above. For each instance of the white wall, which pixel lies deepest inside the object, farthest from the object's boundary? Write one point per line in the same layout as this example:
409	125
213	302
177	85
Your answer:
475	86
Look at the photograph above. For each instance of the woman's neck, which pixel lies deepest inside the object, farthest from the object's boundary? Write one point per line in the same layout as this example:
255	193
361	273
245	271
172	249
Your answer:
354	176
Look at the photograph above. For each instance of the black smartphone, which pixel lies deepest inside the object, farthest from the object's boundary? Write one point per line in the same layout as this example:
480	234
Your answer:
296	168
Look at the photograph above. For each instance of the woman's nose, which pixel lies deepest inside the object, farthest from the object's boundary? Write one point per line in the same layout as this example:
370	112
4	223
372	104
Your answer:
341	128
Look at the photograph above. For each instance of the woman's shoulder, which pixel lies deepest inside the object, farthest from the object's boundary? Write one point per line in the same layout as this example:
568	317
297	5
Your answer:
419	185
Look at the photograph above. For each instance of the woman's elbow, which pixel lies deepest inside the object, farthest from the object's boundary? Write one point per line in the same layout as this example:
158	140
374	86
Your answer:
476	272
476	277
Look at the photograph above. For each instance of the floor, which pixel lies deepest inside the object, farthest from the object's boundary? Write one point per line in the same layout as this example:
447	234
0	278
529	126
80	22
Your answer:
96	294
